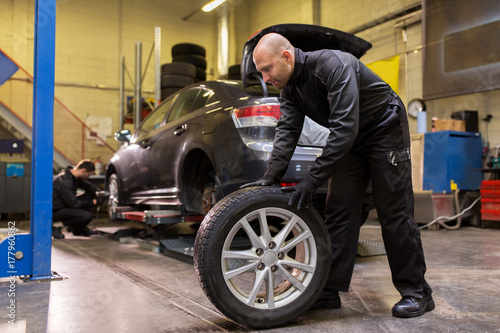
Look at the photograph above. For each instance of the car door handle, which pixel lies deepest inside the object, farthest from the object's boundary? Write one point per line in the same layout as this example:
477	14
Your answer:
180	130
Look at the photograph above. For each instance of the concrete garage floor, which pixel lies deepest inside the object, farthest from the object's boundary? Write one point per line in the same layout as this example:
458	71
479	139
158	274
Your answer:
109	286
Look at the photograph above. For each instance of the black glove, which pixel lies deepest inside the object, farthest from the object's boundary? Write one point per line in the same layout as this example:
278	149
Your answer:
303	194
101	197
264	181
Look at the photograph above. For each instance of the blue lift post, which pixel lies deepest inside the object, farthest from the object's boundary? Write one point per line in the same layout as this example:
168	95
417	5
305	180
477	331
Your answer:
30	254
43	137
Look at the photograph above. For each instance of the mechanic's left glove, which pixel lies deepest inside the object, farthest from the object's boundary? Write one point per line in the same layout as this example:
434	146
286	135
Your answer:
264	181
302	196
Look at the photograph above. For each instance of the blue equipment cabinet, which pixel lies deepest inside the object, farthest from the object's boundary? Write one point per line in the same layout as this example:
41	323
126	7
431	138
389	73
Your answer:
452	156
15	185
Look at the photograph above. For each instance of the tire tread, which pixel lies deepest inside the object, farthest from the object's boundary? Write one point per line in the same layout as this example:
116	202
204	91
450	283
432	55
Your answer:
203	250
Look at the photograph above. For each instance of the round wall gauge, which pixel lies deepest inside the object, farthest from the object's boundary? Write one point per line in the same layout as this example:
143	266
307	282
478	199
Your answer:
415	106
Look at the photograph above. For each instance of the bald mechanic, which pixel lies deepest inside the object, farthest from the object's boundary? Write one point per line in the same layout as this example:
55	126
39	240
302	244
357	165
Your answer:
369	138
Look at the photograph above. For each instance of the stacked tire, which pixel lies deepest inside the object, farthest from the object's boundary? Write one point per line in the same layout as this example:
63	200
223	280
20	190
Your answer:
193	54
175	76
188	66
234	72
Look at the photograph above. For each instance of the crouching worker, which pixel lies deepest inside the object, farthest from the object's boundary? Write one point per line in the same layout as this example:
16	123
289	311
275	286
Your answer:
74	210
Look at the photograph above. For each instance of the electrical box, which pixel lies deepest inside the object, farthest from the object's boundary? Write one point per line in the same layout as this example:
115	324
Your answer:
15	187
452	160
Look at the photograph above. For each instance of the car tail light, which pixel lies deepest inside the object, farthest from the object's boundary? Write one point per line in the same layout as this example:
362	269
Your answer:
257	115
288	184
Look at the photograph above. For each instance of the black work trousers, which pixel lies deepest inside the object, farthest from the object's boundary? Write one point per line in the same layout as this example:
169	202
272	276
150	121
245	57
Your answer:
75	218
381	152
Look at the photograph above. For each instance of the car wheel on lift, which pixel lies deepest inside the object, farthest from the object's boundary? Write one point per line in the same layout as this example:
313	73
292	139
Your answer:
114	195
261	262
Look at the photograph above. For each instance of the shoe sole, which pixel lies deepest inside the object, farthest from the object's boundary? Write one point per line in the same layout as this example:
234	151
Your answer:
405	314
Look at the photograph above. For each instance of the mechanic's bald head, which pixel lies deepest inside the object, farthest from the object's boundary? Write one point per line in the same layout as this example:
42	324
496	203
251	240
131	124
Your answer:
273	43
274	57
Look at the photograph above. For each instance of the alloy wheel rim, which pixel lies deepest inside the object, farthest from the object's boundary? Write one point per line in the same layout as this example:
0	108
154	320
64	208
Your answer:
277	263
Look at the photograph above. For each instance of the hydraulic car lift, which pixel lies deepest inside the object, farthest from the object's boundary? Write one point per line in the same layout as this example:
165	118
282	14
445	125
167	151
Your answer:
179	246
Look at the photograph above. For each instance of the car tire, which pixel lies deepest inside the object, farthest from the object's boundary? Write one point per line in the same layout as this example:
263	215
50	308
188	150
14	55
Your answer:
201	74
194	59
176	80
236	257
114	199
166	92
179	68
188	48
234	72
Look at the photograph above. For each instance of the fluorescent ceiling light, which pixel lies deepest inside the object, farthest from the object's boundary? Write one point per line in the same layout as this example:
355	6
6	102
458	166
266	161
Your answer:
212	5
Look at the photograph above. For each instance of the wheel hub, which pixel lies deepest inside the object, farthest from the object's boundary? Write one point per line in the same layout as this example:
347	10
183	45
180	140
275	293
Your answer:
270	258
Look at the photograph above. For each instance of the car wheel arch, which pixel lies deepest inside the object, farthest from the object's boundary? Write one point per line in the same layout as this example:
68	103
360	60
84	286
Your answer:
114	170
196	172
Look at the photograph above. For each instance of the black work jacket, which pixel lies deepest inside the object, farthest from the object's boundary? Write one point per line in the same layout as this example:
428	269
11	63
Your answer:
334	89
64	191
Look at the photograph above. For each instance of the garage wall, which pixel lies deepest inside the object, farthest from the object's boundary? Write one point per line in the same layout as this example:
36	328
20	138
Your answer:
387	41
347	15
251	16
91	37
483	102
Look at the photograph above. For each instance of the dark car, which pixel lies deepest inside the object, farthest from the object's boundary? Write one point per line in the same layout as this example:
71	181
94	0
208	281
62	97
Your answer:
208	139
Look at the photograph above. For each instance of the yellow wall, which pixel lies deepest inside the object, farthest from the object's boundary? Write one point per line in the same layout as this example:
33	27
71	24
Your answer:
387	41
92	35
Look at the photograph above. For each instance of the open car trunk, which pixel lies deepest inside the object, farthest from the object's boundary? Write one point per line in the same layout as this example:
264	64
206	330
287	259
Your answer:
305	37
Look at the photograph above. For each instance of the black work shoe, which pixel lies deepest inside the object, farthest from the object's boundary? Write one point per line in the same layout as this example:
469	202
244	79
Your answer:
89	232
327	300
56	233
409	307
84	232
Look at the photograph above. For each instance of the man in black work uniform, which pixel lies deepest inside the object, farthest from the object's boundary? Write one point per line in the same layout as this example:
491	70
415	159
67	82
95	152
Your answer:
369	138
74	210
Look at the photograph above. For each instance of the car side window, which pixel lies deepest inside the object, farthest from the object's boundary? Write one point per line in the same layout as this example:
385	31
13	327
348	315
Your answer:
184	104
153	121
203	98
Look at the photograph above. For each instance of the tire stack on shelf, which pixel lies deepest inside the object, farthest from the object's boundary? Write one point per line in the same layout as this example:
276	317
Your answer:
188	66
234	72
193	54
175	76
